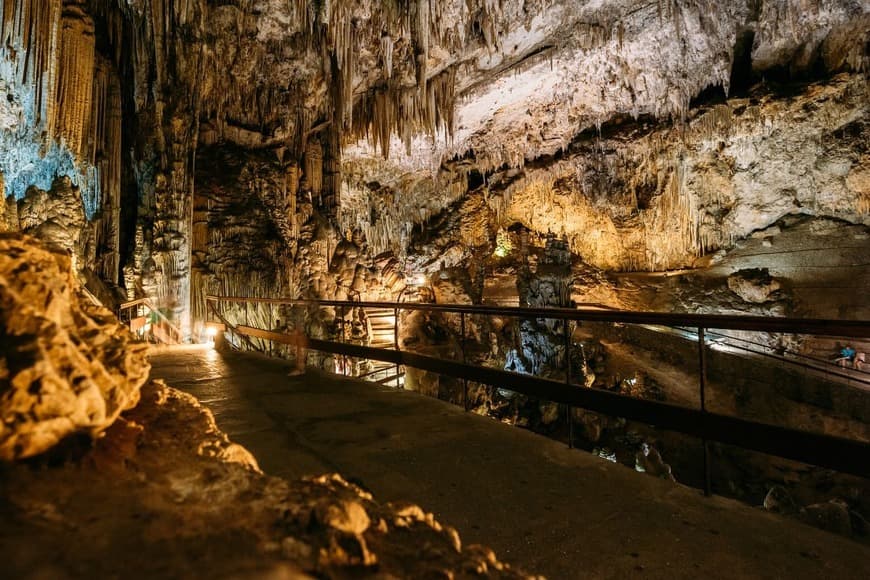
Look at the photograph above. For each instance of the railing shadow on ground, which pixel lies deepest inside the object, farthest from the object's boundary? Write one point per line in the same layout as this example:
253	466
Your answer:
837	453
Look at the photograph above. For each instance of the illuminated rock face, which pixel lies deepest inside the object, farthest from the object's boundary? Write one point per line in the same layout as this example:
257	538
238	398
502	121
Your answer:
568	116
542	341
66	366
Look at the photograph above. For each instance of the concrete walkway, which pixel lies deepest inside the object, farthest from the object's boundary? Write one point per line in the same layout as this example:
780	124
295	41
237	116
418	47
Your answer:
551	510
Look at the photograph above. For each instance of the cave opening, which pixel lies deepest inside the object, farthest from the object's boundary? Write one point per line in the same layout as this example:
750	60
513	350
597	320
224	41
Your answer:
742	75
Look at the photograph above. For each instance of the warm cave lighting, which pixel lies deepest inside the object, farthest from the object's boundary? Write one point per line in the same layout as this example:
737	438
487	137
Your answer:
503	245
418	280
211	331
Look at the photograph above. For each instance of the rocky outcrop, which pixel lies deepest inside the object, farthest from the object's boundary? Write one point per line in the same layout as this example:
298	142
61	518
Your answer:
66	365
835	515
754	285
162	474
56	217
545	284
168	495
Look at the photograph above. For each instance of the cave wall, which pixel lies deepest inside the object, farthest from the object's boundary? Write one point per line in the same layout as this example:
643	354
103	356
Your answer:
262	75
60	134
598	121
657	199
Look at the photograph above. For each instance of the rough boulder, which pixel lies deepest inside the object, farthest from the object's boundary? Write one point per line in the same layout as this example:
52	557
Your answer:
66	365
754	285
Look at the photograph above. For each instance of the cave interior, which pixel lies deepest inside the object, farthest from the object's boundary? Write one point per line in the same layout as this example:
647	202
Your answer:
681	157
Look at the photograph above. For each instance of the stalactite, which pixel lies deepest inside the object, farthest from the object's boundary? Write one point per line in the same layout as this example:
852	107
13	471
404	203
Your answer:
421	39
29	39
345	42
291	190
387	55
314	167
104	153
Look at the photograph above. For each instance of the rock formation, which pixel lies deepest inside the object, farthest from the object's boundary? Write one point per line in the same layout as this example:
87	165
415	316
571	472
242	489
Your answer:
417	150
648	134
160	489
66	366
168	495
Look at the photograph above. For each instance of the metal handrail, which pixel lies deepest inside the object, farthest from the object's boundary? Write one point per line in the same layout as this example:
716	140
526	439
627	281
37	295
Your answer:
817	326
802	361
794	358
131	303
174	330
837	453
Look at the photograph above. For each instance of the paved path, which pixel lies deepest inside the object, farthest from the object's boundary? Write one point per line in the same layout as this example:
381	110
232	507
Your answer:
540	505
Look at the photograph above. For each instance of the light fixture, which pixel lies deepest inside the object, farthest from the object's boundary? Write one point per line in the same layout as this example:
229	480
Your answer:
212	329
418	280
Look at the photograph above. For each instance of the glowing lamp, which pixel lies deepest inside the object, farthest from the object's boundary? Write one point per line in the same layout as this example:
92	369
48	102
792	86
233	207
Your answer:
212	329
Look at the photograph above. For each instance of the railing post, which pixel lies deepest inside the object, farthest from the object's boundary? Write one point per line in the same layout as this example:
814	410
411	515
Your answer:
570	414
271	326
702	395
462	354
341	340
396	339
567	352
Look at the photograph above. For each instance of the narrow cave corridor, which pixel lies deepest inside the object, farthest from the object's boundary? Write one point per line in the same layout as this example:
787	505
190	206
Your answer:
290	288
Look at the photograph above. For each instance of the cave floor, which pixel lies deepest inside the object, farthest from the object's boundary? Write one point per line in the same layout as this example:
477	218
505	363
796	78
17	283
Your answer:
549	509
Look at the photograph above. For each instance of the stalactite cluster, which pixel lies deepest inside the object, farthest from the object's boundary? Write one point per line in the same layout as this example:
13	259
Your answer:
75	75
122	97
664	198
407	112
69	123
30	30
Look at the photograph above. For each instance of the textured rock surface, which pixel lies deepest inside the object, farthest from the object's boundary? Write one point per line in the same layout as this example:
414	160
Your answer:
754	285
55	217
502	112
165	494
66	365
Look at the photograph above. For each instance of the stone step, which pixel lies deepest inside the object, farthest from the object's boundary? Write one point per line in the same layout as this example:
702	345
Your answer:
379	312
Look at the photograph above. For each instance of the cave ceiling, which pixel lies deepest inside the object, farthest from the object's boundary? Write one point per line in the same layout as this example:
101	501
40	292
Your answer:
427	93
647	133
525	77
